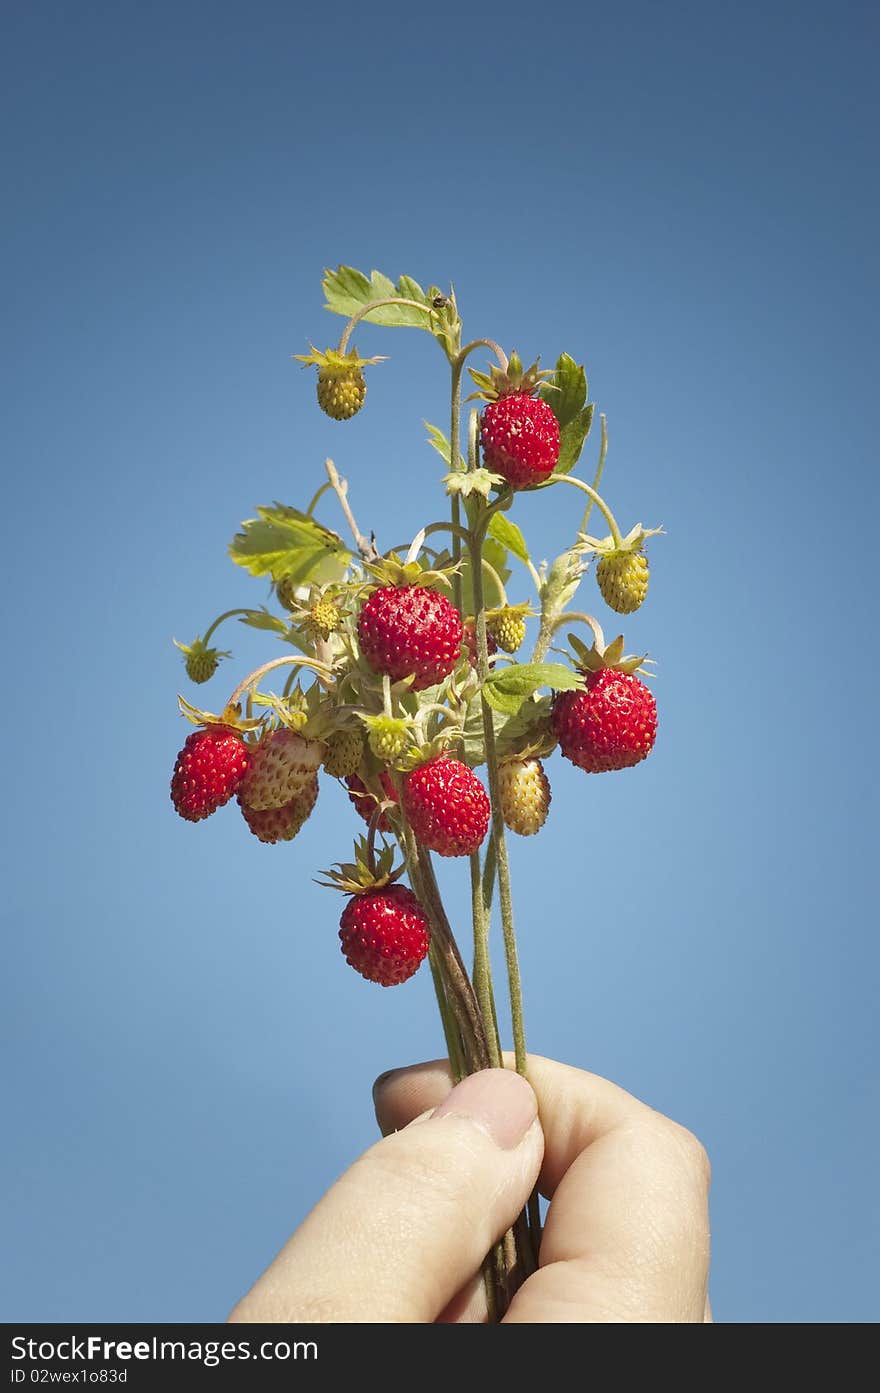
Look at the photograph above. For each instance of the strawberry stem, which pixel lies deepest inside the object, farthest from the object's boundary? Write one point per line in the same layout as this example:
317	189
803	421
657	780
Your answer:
298	661
603	451
378	305
482	970
591	493
227	615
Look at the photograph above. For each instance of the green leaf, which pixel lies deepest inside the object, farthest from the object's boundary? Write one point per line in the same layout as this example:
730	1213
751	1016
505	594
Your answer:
507	688
264	619
509	535
568	404
572	438
570	394
283	541
438	441
348	290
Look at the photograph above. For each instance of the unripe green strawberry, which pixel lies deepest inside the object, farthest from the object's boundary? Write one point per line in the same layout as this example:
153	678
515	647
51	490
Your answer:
508	627
621	566
343	754
623	580
341	393
200	661
387	737
285	591
341	383
525	795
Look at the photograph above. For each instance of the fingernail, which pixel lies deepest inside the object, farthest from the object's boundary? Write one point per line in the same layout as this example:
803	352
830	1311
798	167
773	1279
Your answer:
496	1100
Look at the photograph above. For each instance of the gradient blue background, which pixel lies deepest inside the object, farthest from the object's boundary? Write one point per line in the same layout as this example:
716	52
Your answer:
684	197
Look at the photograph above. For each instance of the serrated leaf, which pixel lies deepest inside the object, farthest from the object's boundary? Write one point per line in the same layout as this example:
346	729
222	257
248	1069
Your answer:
572	438
509	535
263	618
439	442
283	541
348	290
568	394
507	688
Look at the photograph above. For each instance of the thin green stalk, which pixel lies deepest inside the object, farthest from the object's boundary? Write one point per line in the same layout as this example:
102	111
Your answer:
603	451
454	1047
498	840
482	973
219	620
459	991
596	498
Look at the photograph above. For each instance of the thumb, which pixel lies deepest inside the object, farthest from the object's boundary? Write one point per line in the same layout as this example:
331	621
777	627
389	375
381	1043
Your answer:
411	1221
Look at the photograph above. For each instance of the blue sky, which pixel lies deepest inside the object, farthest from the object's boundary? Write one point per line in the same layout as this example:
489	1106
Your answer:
684	198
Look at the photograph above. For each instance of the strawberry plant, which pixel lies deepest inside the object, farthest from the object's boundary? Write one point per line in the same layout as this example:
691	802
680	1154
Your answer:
402	678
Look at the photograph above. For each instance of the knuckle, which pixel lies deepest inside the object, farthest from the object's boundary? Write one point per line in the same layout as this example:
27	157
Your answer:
691	1150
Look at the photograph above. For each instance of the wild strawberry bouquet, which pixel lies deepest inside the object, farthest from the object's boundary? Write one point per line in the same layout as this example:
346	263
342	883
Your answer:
404	678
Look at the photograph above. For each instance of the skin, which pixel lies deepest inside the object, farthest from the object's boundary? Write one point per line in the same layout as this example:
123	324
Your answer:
626	1237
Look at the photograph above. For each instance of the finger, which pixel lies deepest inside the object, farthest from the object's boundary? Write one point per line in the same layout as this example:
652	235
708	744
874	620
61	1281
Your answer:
408	1225
575	1107
627	1234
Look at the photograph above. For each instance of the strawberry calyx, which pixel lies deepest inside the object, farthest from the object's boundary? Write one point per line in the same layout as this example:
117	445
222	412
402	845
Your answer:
516	381
334	363
229	717
370	870
390	570
633	542
601	655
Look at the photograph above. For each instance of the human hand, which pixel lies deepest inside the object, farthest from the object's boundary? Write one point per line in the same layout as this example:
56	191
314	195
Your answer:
401	1235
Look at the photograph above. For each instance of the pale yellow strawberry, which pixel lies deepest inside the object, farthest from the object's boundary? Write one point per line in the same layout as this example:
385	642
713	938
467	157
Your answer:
525	795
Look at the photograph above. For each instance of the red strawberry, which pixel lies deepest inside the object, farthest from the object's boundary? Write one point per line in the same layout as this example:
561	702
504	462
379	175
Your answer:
520	438
612	725
208	771
385	934
446	806
408	629
365	803
273	825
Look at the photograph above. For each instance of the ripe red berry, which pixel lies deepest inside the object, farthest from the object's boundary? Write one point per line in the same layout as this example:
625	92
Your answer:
385	934
520	438
407	630
446	806
365	803
612	725
208	771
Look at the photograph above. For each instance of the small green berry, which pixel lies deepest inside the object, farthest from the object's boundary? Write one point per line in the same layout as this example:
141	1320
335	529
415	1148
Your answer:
344	752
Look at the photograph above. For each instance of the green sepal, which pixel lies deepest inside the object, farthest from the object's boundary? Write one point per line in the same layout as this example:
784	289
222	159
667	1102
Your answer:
480	482
229	716
634	541
282	541
365	872
602	655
